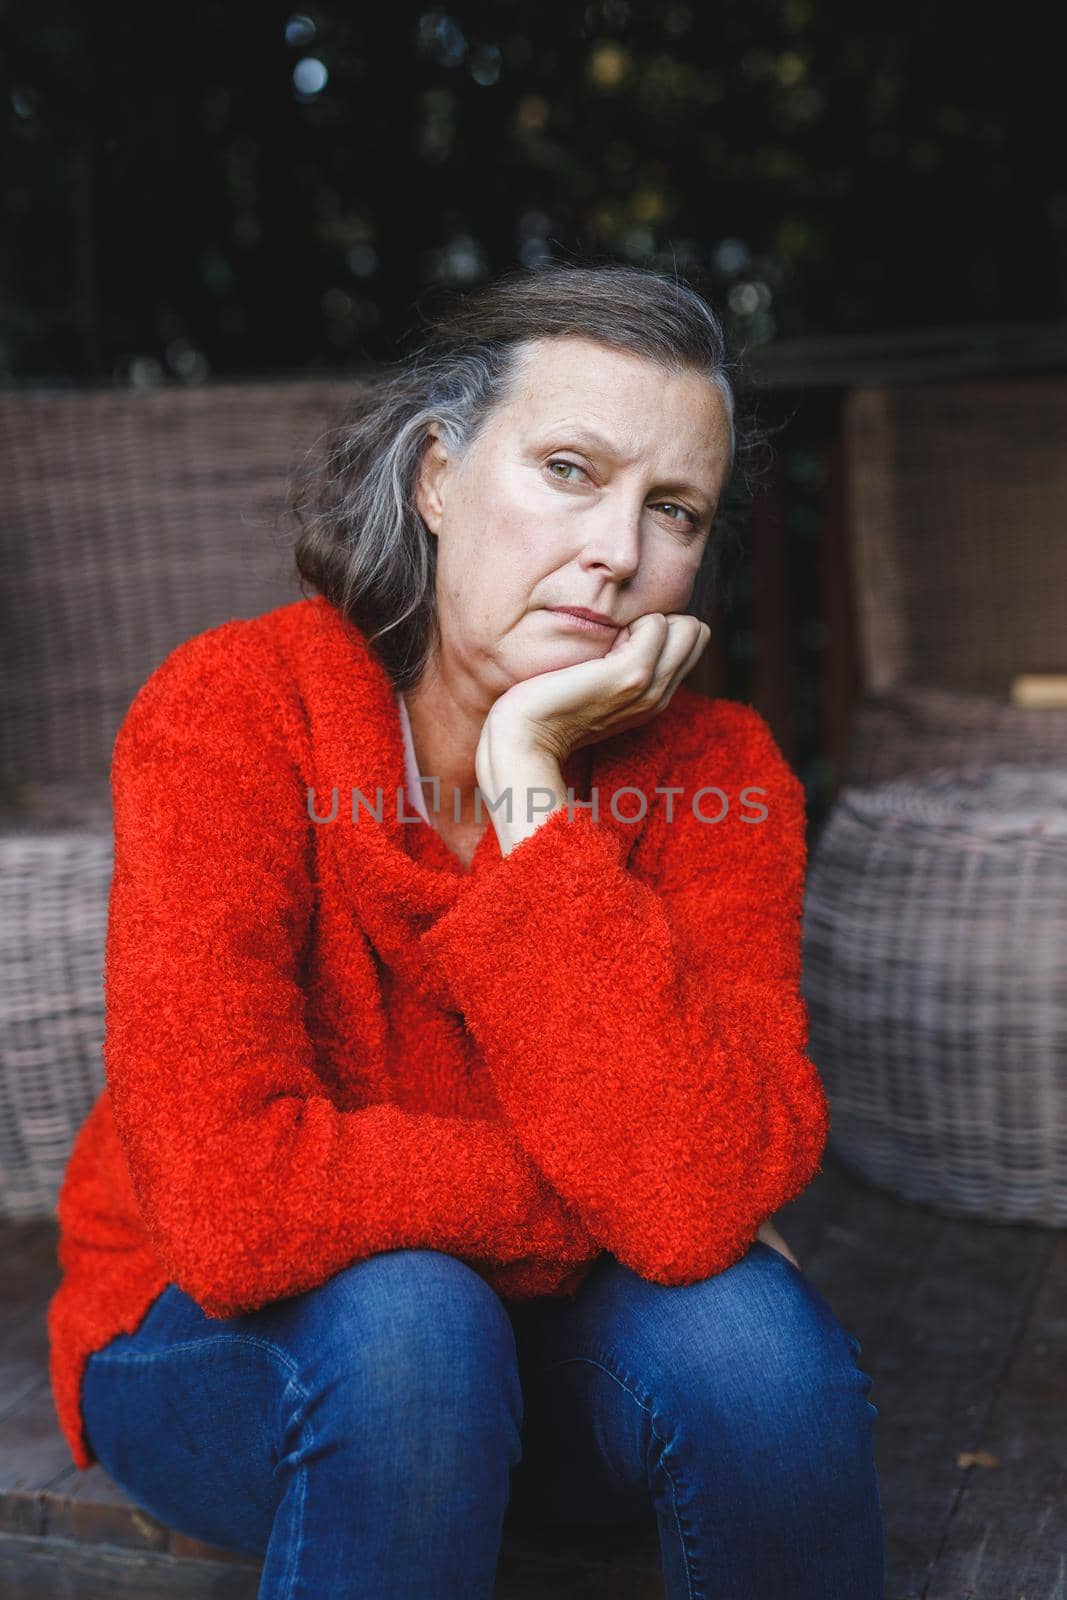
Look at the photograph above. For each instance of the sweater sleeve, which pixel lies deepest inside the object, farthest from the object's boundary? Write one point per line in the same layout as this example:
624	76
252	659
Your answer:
251	1182
647	1035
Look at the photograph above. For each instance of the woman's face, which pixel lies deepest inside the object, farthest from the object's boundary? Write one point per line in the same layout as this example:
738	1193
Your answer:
594	487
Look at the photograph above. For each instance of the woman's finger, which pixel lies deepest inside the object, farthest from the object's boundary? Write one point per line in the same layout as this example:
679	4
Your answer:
677	649
699	646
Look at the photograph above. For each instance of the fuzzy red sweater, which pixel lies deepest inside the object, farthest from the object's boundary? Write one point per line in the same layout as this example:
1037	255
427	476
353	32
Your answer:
329	1039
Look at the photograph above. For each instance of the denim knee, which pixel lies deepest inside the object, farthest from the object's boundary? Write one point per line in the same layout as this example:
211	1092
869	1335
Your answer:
756	1341
403	1342
797	1339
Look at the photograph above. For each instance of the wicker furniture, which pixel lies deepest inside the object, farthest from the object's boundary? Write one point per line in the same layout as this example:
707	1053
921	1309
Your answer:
935	949
957	513
913	727
935	968
131	521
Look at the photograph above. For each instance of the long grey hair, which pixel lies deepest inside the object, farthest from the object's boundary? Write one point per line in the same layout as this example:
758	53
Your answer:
362	542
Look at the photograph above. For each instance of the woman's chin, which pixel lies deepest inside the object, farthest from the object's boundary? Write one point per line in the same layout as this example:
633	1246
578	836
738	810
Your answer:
565	653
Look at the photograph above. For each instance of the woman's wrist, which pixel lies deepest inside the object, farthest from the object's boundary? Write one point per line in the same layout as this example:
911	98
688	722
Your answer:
507	760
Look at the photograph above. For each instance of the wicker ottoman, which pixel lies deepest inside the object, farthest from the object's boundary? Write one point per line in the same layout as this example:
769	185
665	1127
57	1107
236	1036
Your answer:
915	727
56	859
935	971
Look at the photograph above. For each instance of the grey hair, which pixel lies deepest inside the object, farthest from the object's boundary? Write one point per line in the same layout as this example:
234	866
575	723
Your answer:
363	544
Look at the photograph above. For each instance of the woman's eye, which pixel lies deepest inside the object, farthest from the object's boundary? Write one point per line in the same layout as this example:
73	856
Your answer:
686	516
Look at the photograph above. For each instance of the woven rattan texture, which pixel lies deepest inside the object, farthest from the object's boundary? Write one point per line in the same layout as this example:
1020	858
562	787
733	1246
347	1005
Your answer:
935	971
131	520
915	727
957	504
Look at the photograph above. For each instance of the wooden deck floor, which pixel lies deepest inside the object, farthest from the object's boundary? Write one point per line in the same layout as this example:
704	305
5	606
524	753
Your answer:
963	1327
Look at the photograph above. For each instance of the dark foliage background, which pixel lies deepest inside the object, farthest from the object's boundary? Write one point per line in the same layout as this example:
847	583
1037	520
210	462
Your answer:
216	189
222	188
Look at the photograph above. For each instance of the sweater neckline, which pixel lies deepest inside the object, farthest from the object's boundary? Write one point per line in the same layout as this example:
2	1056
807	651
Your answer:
415	796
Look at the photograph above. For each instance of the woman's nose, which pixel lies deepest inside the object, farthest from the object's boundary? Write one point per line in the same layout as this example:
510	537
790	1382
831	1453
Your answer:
613	541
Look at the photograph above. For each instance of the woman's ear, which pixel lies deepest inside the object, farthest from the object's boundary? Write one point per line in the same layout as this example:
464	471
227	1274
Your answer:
429	490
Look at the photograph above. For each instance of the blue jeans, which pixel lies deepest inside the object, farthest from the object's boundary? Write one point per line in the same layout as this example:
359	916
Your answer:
367	1437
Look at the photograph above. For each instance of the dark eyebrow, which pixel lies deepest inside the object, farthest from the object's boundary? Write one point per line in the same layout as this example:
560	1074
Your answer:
581	432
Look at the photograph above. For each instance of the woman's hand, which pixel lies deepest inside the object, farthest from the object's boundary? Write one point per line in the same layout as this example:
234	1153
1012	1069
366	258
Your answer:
535	724
556	712
770	1235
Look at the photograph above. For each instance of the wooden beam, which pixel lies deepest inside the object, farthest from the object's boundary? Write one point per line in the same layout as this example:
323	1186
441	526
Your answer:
841	678
772	674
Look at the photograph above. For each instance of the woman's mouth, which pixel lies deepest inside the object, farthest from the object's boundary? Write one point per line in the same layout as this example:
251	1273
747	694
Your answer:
575	617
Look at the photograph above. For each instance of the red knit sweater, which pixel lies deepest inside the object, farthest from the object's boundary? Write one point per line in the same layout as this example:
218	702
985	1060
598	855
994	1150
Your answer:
329	1039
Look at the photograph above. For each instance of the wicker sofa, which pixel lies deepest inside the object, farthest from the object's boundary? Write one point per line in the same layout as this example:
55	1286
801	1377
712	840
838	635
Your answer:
957	521
133	519
935	945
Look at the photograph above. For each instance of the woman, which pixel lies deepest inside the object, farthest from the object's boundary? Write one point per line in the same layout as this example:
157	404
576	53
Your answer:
434	1171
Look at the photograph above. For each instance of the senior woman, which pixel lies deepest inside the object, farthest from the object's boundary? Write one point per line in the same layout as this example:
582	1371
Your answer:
432	1180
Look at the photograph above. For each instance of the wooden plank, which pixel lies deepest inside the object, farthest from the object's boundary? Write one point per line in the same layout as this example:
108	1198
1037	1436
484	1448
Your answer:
803	1222
938	1305
33	1455
90	1508
23	1359
592	1564
43	1495
31	1270
1008	1536
32	1569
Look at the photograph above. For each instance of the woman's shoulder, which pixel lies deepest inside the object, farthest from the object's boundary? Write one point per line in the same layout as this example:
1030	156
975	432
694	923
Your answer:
239	663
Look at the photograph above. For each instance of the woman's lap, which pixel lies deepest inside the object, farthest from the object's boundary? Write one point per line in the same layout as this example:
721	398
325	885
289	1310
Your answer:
718	1408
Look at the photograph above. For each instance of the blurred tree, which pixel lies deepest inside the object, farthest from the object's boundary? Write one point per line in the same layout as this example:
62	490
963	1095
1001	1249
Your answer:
222	188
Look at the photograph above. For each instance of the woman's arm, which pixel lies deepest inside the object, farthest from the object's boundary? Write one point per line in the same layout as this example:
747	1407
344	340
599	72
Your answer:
647	1040
252	1184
